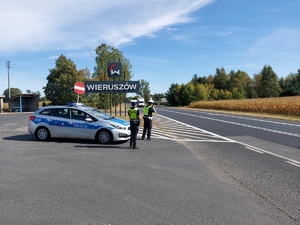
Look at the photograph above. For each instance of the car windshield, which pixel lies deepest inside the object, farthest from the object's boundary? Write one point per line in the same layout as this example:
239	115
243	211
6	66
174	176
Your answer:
98	114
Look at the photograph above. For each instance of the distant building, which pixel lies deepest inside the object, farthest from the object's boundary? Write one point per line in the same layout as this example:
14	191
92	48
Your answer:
1	103
24	103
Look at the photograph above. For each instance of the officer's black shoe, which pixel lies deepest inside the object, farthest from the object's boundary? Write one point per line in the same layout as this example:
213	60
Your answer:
135	147
148	139
143	138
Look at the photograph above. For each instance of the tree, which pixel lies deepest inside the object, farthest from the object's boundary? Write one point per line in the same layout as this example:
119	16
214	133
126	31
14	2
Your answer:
220	79
202	80
143	86
147	95
87	73
13	92
209	79
224	94
257	85
158	97
185	94
201	92
239	84
34	93
269	83
171	95
291	84
144	90
238	93
195	80
106	54
60	87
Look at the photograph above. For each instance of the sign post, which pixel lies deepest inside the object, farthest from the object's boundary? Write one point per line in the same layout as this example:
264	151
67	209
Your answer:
79	89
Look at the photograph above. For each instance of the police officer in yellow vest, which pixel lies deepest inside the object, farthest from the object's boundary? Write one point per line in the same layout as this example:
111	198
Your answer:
149	110
134	115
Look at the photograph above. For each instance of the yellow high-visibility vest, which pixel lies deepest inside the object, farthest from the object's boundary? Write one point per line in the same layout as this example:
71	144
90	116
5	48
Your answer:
146	110
133	113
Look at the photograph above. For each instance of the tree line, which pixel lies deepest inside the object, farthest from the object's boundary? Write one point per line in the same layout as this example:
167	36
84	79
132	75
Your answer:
234	85
59	89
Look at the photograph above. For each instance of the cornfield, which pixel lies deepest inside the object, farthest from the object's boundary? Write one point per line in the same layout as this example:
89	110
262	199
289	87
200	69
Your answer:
281	106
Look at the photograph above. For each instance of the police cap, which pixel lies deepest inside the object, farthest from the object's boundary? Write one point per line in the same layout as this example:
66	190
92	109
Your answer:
133	102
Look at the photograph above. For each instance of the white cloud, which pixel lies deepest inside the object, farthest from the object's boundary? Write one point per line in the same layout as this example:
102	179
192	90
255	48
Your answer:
34	25
223	34
279	40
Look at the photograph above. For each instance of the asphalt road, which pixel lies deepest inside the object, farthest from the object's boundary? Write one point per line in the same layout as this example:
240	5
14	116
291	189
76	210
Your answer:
189	173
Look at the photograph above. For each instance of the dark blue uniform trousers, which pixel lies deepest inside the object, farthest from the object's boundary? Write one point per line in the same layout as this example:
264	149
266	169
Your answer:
134	131
147	128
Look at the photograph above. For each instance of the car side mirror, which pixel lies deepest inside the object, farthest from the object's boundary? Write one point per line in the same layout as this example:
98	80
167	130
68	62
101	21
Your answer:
88	119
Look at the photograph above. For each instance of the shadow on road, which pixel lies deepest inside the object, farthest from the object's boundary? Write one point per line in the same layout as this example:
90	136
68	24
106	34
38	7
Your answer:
91	143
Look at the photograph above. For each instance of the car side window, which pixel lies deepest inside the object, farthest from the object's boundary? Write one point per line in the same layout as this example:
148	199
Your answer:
91	117
78	115
46	112
61	112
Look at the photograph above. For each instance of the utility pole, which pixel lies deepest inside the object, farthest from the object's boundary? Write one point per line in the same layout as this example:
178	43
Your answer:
8	66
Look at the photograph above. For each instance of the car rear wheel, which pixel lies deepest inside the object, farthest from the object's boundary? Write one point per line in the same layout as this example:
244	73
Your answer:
104	137
43	134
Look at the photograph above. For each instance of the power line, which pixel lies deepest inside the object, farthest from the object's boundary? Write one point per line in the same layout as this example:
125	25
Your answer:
11	71
21	70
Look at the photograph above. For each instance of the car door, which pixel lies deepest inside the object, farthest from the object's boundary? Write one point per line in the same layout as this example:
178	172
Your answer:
79	127
59	122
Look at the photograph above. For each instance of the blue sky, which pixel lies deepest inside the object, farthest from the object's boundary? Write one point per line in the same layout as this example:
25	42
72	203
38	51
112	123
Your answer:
165	41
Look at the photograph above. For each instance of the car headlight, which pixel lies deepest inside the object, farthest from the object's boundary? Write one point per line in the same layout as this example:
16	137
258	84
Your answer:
116	126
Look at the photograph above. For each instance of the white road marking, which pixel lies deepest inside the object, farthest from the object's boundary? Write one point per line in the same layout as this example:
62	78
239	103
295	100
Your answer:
255	150
179	129
254	119
241	124
250	147
293	163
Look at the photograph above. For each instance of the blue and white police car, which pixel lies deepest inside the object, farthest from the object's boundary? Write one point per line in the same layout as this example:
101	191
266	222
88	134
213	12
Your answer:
76	120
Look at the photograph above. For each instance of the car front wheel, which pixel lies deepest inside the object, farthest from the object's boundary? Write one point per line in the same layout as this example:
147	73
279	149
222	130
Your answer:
43	134
104	137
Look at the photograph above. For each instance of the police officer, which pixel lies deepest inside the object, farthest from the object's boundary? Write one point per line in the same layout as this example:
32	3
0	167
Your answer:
134	115
149	110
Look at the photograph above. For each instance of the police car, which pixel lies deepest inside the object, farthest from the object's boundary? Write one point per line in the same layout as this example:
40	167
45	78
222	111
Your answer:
77	121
